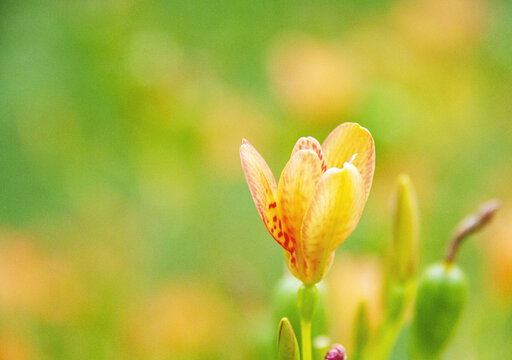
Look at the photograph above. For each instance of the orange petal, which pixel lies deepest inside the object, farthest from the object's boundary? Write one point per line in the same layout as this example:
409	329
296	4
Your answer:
345	141
333	214
263	187
311	143
296	188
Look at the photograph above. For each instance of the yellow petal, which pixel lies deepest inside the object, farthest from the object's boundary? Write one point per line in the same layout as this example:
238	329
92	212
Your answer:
305	143
333	214
296	188
345	141
263	187
291	260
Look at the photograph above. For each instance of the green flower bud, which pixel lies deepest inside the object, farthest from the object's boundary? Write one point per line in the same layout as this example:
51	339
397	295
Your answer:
287	345
442	294
404	249
443	291
307	299
402	260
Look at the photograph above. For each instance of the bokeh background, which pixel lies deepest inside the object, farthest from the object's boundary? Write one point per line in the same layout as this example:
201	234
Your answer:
126	227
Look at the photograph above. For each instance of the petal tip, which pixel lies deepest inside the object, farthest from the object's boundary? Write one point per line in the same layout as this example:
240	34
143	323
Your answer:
245	145
404	179
306	151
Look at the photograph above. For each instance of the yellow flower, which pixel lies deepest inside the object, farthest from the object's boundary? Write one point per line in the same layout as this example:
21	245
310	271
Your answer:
320	197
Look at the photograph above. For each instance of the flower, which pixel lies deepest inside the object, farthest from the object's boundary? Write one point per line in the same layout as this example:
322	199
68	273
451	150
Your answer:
364	276
319	199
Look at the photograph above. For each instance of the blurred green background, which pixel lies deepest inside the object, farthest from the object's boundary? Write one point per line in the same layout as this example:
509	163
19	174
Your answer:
127	230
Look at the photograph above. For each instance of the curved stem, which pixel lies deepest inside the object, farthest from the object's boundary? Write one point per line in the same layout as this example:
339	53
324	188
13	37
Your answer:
470	225
386	340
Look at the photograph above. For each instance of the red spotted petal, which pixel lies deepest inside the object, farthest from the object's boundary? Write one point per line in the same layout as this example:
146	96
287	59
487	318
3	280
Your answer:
263	187
310	143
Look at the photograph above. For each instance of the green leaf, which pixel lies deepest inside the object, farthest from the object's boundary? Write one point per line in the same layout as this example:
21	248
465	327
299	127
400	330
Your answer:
361	331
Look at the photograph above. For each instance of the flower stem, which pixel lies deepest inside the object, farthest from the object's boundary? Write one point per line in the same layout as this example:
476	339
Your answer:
307	298
386	341
305	327
470	225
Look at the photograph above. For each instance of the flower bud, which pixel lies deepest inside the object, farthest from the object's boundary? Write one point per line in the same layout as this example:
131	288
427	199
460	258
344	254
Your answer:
287	345
285	305
307	299
443	291
404	252
442	295
403	255
337	352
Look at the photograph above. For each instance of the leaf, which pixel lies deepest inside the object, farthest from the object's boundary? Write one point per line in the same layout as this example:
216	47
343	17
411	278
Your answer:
361	331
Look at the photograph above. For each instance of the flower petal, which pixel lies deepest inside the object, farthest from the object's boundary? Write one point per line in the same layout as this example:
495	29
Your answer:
333	214
312	144
263	187
296	188
345	141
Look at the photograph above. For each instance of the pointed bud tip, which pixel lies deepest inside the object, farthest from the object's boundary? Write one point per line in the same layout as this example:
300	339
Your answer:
404	180
285	325
284	321
404	254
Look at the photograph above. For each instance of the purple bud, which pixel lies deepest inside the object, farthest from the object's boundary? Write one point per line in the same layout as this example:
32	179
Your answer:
336	352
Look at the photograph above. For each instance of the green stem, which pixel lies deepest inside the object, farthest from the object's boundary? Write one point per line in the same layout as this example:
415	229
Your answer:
386	340
307	298
305	327
399	300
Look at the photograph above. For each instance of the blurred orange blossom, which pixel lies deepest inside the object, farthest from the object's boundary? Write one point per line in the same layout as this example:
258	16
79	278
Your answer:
314	80
363	275
179	319
12	347
320	197
440	26
35	283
